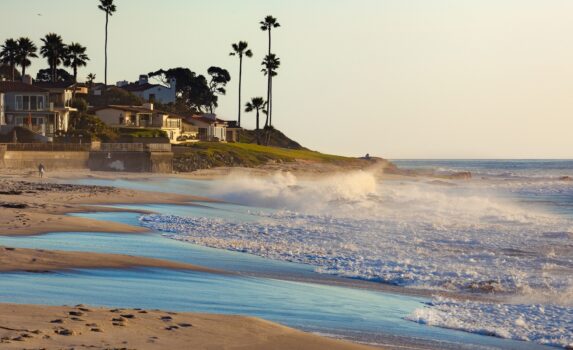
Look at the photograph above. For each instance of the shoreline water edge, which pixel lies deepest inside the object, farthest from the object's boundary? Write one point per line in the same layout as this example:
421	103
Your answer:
341	223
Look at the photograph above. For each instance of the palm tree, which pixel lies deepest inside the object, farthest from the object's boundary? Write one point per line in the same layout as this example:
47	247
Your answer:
90	79
267	25
26	49
54	50
271	63
76	57
108	7
9	55
241	49
256	104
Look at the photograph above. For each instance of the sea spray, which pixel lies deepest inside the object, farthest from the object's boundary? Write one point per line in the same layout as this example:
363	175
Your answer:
470	237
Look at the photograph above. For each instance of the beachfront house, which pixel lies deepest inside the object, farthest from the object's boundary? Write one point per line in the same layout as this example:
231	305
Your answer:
141	117
210	128
29	106
151	92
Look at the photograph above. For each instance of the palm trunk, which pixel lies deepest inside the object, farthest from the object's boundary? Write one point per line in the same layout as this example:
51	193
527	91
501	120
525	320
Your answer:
13	72
75	75
23	69
257	132
268	82
240	80
106	22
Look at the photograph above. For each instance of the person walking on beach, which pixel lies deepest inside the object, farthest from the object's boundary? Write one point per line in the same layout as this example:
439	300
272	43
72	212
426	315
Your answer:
41	169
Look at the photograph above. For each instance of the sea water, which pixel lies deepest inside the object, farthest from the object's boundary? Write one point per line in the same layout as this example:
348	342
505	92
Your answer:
506	234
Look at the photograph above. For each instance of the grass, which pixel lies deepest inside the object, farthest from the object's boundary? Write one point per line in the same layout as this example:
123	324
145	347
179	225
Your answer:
213	154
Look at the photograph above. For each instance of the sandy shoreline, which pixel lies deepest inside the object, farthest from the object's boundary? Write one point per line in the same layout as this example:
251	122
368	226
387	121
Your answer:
34	206
79	327
40	260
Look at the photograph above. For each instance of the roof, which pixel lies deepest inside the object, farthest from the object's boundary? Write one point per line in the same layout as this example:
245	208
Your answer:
17	86
56	85
207	120
140	87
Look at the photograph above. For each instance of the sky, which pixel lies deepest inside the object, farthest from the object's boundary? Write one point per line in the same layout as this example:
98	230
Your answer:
392	78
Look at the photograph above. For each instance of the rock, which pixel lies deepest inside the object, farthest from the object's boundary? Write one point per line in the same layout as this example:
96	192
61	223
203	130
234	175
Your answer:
185	325
128	316
170	328
57	321
76	313
97	330
566	178
166	318
64	332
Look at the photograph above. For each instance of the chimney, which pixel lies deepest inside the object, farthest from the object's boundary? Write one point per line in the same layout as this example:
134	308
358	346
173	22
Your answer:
27	79
143	78
148	105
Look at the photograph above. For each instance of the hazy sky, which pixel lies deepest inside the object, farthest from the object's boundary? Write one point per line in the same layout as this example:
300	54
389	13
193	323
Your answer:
395	78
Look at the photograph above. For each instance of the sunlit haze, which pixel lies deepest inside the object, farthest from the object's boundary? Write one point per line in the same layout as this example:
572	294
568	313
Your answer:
397	79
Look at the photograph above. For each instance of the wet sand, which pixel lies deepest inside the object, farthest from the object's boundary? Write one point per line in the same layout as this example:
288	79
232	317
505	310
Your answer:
40	260
82	327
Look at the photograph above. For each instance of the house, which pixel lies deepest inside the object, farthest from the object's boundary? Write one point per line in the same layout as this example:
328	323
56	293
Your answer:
29	106
151	92
141	117
210	128
2	122
60	97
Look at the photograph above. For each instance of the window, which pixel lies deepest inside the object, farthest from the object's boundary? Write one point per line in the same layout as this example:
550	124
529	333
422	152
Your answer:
40	102
26	100
19	103
33	103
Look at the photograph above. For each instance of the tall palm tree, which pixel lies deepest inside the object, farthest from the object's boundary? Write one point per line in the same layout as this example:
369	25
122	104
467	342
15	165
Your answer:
76	57
241	49
267	25
109	8
270	64
26	49
9	55
54	50
256	104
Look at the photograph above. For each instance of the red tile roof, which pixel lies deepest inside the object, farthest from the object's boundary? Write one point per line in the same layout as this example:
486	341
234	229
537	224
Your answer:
16	86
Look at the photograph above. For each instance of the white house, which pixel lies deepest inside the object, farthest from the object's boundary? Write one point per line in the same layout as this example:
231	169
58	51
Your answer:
151	92
210	128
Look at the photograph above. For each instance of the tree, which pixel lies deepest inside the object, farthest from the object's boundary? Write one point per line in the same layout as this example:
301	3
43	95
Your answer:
241	49
192	90
90	79
9	55
26	49
54	50
109	8
219	79
76	57
271	64
267	25
46	75
256	104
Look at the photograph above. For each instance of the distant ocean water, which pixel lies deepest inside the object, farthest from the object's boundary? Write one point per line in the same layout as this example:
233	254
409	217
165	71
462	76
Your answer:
507	231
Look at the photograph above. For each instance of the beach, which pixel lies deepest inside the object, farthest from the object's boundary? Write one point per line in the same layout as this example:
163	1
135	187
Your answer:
33	206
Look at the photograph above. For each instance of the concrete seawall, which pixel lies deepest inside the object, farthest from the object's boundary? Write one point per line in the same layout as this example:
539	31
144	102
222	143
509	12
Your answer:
97	160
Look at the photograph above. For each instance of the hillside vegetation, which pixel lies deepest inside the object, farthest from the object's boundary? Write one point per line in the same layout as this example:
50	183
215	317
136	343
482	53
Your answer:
205	155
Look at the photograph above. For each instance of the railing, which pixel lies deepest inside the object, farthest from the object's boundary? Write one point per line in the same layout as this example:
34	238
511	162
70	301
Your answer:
158	147
48	147
122	147
135	147
86	147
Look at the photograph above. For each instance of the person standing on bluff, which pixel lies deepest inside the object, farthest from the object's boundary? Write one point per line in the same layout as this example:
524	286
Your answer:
41	170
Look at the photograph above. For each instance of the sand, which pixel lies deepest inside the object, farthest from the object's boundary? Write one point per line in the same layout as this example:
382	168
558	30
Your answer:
81	327
37	206
40	260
